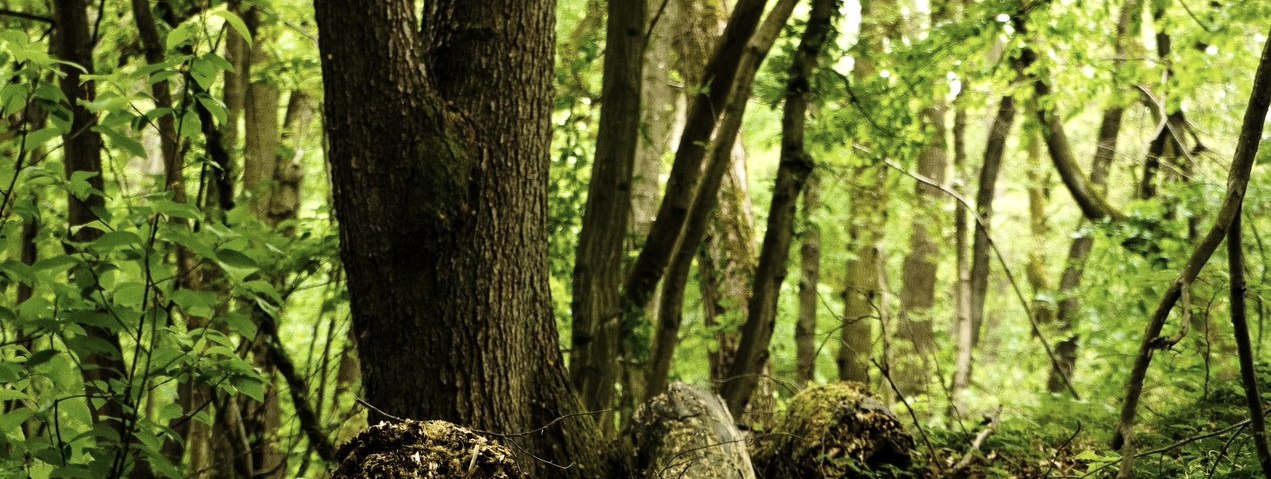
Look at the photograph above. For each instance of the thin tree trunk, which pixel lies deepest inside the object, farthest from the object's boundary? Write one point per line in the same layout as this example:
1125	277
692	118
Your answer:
1069	307
809	278
1039	227
1240	327
963	332
920	268
1237	183
601	245
457	141
795	166
81	150
1092	204
707	105
659	119
987	190
673	287
861	293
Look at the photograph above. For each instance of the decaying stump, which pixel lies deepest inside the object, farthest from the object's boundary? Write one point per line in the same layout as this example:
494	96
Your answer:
424	450
687	433
833	431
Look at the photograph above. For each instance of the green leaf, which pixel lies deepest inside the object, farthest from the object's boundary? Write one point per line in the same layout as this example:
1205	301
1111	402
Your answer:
177	37
115	239
237	24
127	144
235	259
40	357
39	137
240	324
216	108
55	264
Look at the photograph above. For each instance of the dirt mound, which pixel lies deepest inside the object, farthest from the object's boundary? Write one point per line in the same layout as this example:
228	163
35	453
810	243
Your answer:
833	431
424	450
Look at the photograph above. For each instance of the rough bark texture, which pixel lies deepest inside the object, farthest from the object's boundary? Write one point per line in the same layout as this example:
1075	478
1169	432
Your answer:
440	185
601	245
726	265
994	150
259	160
670	313
1237	182
81	149
809	278
687	432
795	166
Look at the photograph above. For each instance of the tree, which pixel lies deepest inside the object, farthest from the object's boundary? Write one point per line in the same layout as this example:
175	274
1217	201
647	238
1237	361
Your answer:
795	167
601	244
440	183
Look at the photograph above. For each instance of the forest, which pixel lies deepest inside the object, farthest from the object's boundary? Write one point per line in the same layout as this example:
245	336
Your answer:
741	239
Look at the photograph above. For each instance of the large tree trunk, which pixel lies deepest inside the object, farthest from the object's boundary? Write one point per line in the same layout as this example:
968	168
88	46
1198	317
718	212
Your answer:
601	244
103	370
440	185
795	166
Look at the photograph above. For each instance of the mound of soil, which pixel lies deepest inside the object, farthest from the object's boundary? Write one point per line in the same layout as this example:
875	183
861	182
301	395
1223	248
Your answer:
834	431
424	450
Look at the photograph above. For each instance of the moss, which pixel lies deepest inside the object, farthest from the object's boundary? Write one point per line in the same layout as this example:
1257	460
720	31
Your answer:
424	450
688	433
834	431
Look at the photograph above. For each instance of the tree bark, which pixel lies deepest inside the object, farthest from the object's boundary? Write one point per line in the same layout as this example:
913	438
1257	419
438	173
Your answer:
673	287
440	185
920	268
963	332
1240	326
1237	183
987	189
795	166
706	107
809	278
601	244
103	371
659	119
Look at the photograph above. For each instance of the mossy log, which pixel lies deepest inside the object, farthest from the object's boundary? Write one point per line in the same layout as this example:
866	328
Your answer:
687	433
834	431
424	450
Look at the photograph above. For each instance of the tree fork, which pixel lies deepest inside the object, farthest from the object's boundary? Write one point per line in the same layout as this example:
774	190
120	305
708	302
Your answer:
1237	183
